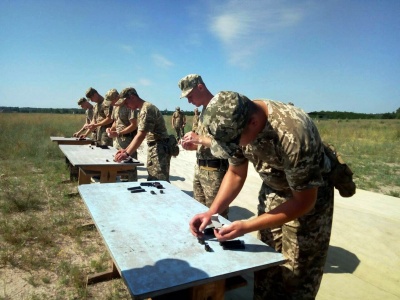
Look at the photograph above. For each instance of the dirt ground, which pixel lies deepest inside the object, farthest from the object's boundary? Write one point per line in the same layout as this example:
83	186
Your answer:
363	261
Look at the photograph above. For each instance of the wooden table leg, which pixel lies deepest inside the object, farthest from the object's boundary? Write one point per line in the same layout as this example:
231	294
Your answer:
104	276
108	176
83	178
212	291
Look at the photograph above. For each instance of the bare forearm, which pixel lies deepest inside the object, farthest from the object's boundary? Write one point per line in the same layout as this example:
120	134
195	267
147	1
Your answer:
300	204
128	129
104	122
230	187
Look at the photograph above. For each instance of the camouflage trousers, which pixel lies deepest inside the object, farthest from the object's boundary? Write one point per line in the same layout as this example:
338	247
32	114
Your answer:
206	185
158	161
103	138
123	143
92	135
180	132
304	242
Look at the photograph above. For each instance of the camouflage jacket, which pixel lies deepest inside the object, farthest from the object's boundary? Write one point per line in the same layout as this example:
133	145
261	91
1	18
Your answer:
122	116
288	153
89	115
152	121
203	152
178	118
101	111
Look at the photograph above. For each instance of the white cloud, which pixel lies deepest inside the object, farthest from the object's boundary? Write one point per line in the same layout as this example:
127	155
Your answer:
127	48
141	82
161	61
144	82
245	27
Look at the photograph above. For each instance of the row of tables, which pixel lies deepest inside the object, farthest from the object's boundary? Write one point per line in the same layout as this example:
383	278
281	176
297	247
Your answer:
92	160
148	237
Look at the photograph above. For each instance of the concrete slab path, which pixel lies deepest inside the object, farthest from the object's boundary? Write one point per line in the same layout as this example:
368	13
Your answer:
364	255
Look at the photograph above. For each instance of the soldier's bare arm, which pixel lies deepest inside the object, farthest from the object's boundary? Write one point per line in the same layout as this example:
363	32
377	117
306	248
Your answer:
301	203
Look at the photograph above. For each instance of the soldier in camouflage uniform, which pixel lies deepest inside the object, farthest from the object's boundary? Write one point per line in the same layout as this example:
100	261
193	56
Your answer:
296	201
209	170
195	119
101	117
151	125
88	107
178	122
123	129
84	104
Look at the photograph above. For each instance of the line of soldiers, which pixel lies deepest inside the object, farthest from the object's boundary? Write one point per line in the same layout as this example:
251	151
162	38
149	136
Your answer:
123	120
295	205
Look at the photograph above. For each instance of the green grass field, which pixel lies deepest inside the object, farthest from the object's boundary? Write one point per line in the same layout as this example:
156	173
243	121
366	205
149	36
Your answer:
40	239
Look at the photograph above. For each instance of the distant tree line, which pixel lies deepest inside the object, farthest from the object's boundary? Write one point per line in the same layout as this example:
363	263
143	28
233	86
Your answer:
5	109
351	115
8	109
314	114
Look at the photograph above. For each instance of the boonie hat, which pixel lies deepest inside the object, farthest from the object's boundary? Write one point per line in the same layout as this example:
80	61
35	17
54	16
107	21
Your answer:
81	100
224	118
111	95
124	94
187	83
90	92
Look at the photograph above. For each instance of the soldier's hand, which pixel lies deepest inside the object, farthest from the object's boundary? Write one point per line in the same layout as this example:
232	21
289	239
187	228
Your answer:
198	223
120	155
188	145
231	231
111	133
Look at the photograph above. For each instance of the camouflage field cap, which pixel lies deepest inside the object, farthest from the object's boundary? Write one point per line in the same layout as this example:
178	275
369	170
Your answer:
187	83
225	117
111	95
90	92
124	94
82	100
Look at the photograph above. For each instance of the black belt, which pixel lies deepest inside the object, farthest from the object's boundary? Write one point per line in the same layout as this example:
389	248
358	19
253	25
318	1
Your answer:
211	163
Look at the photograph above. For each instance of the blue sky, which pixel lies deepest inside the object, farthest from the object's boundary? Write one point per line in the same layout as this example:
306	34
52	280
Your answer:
327	55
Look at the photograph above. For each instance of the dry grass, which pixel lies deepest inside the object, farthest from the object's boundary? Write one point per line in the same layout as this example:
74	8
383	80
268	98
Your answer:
44	254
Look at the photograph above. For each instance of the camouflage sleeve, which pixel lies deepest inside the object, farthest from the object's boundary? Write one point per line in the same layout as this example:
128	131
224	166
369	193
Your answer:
146	120
108	110
238	158
96	112
133	114
114	114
